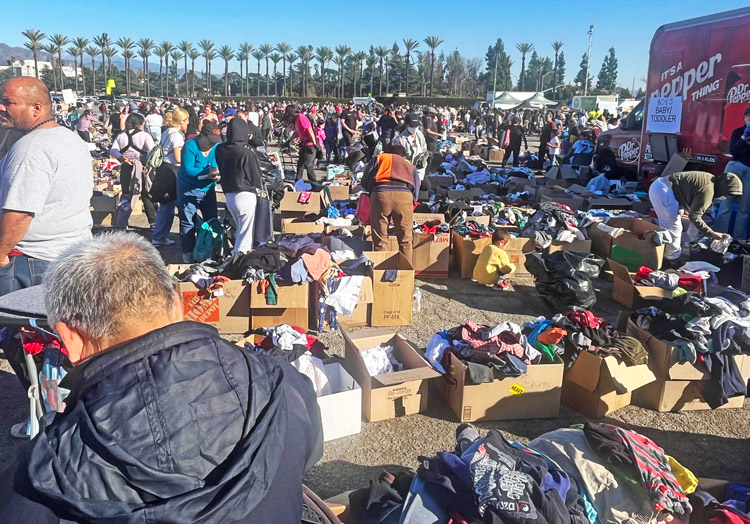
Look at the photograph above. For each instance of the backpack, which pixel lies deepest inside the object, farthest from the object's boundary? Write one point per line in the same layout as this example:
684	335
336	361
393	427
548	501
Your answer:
210	241
152	158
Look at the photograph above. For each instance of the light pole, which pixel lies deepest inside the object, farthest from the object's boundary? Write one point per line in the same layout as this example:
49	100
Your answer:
494	80
545	74
588	61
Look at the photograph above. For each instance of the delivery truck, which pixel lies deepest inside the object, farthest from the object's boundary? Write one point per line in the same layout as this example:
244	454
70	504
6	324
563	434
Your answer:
704	62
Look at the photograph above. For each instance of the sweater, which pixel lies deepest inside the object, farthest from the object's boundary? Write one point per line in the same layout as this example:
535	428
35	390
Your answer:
195	165
694	191
492	264
238	165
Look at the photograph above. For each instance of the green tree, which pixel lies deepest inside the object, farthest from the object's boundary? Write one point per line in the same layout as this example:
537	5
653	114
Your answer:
324	55
560	70
382	53
102	42
145	47
284	48
359	58
194	55
372	61
60	41
244	50
409	47
607	78
503	80
126	44
242	57
35	38
581	76
51	50
110	53
212	55
432	42
93	52
167	47
258	55
80	45
161	53
176	55
226	53
343	51
305	54
524	49
73	51
207	47
291	58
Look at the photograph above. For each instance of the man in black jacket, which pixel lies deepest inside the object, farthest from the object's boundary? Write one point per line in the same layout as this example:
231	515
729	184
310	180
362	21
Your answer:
739	146
165	421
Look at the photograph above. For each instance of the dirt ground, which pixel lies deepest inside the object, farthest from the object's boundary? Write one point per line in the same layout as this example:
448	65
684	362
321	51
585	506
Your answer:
710	443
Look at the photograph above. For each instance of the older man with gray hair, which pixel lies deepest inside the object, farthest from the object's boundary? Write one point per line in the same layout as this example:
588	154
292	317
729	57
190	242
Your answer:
165	420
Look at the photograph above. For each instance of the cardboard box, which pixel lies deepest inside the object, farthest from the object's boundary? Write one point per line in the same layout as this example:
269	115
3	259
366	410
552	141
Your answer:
392	301
298	226
103	206
466	251
272	317
395	394
633	248
597	386
341	411
574	202
533	395
630	294
431	253
678	395
496	155
292	306
581	246
608	203
362	312
229	313
562	175
340	192
290	204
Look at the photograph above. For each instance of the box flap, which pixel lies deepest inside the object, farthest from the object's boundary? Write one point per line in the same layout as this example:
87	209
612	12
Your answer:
585	371
627	378
553	173
609	203
421	218
580	190
620	272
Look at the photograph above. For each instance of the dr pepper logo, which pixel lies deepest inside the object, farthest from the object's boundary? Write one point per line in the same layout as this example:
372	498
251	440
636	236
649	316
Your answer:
630	151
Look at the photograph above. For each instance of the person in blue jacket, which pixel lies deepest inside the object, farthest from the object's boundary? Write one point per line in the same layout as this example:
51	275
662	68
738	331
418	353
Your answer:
196	186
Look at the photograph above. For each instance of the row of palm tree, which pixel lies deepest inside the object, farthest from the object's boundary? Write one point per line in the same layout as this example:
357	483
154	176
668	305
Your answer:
283	52
526	48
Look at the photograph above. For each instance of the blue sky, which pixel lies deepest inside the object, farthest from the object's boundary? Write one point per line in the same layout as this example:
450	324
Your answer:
469	25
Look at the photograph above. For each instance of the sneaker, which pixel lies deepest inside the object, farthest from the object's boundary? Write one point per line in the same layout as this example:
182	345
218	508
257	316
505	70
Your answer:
466	434
503	285
162	243
187	258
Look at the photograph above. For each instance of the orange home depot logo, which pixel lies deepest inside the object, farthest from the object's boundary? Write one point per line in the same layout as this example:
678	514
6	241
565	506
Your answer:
200	307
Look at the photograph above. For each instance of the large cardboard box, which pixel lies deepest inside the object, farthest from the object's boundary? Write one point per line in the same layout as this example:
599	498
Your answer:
574	202
608	203
362	312
103	206
290	204
533	395
394	394
562	176
517	250
229	313
299	226
633	248
340	191
496	155
466	251
392	301
292	306
431	253
630	294
341	411
580	246
678	395
597	386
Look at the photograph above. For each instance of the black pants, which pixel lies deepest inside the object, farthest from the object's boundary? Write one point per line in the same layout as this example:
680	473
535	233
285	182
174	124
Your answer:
516	150
306	161
85	135
126	171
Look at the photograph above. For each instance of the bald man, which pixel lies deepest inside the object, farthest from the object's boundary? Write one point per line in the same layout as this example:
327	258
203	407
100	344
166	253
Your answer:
46	183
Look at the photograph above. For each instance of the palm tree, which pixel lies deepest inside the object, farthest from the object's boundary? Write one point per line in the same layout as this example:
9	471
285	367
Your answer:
432	42
381	52
167	47
324	55
111	52
409	45
342	51
93	52
145	46
258	55
60	41
102	42
161	53
194	55
358	57
292	57
372	59
34	44
212	55
266	49
80	45
226	53
126	44
305	54
241	58
206	47
185	47
176	56
73	51
51	50
275	58
244	51
523	48
284	49
556	46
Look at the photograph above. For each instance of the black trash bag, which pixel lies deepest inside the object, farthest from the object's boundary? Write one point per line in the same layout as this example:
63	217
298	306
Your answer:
563	279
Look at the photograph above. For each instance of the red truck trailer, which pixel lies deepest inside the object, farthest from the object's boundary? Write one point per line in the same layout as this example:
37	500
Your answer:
706	62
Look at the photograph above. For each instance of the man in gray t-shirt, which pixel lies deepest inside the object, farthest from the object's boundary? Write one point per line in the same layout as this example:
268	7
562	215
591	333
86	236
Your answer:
45	187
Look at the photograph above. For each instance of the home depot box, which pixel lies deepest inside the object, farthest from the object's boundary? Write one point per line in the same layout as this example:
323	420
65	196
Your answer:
517	249
392	301
362	312
299	226
291	306
632	248
533	395
431	252
290	203
394	394
229	313
341	411
574	202
597	386
630	294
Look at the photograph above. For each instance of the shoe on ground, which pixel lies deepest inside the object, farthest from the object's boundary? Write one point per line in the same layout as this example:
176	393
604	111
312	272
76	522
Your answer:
466	434
19	430
503	285
162	243
187	258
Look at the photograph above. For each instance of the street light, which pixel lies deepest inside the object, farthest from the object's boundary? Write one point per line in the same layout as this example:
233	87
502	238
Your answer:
542	81
494	80
588	61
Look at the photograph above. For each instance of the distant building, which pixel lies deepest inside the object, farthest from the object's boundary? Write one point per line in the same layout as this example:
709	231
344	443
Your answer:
25	67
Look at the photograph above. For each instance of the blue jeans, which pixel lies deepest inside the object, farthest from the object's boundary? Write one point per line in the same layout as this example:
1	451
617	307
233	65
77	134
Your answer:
164	220
723	217
188	205
22	272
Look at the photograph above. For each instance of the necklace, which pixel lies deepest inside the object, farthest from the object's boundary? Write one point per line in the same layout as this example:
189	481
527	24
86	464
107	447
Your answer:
40	124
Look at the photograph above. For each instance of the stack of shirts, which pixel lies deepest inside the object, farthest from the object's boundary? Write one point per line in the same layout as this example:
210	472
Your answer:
553	221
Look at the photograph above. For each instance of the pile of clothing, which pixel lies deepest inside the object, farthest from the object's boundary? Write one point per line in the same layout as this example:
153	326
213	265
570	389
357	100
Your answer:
552	221
671	281
379	360
473	229
708	332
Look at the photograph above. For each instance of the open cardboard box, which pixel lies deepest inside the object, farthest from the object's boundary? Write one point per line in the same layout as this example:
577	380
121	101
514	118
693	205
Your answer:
608	203
633	248
363	312
533	395
290	204
394	394
574	202
466	251
229	313
564	176
291	306
299	226
597	386
392	301
431	253
341	411
630	294
580	246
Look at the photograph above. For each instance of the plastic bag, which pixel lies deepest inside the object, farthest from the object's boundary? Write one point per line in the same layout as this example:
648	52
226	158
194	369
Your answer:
363	209
563	279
